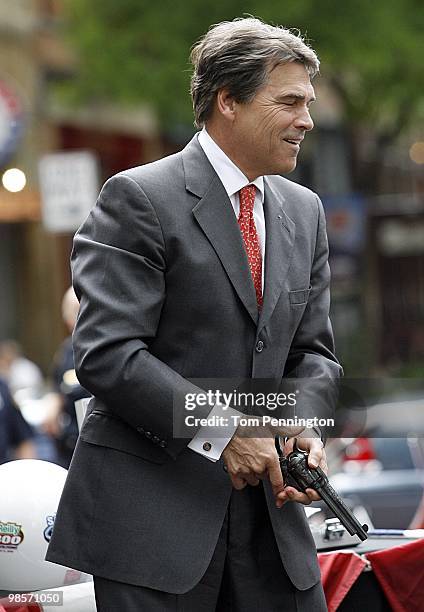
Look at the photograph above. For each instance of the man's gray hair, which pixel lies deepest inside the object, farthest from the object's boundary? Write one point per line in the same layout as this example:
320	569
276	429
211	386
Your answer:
239	55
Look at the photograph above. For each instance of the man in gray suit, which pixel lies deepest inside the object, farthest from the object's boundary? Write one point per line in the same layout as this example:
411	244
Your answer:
204	264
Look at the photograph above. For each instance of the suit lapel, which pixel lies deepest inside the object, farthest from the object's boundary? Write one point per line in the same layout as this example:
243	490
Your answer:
280	234
216	217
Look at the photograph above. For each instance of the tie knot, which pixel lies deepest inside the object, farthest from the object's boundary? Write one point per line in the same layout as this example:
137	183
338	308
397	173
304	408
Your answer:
247	198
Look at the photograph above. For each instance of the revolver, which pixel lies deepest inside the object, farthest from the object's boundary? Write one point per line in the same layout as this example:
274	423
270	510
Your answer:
298	474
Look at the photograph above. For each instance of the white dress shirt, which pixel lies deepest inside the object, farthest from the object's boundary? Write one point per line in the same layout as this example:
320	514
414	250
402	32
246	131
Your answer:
233	180
209	441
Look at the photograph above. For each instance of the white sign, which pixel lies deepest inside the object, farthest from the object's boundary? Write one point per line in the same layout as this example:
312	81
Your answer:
69	187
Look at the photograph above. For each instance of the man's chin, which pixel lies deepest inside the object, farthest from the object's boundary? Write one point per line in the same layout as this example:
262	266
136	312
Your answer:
282	167
288	166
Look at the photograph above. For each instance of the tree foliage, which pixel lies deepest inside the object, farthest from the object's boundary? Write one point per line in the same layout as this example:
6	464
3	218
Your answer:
137	50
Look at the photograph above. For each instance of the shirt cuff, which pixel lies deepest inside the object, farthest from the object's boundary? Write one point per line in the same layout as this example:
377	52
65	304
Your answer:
211	439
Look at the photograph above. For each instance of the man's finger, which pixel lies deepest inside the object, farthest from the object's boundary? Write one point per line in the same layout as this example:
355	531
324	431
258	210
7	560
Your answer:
313	495
288	446
261	475
282	499
295	495
315	454
323	464
238	482
304	498
275	476
252	480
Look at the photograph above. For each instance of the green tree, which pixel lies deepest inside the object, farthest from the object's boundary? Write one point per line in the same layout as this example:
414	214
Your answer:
137	50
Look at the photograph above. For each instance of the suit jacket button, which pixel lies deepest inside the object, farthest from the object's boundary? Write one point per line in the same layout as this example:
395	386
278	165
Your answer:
148	434
207	446
163	444
155	439
140	429
259	346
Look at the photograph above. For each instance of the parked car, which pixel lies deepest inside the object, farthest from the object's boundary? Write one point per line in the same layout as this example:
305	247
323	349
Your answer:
390	487
383	473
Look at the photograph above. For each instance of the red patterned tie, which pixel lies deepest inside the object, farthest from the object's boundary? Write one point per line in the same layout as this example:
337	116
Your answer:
250	237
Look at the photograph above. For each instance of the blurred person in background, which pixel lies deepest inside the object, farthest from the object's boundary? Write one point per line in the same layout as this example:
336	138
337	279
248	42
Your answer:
16	435
22	375
61	421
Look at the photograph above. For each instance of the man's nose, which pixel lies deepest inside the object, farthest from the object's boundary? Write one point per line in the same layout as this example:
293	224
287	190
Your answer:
304	120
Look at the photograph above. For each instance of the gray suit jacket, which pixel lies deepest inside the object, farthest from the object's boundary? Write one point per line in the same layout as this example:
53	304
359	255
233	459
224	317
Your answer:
166	295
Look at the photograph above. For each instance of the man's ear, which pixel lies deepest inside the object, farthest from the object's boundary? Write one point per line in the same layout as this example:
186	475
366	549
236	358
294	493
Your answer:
225	104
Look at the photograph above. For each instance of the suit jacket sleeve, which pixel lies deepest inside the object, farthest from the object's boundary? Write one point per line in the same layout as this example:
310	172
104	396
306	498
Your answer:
118	265
311	360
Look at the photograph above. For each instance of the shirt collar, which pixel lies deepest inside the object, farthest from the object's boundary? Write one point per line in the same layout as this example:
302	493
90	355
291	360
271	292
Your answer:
230	175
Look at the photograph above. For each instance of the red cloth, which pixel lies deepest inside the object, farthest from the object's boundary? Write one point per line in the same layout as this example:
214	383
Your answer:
339	570
250	237
6	606
400	572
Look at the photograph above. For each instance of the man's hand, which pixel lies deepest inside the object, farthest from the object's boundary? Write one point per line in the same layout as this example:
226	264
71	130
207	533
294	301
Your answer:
317	457
249	459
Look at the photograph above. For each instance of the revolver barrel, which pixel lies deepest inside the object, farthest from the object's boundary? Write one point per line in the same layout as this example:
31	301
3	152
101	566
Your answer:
337	505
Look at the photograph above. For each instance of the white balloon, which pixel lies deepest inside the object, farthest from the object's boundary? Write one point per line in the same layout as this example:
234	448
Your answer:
29	495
